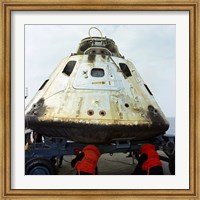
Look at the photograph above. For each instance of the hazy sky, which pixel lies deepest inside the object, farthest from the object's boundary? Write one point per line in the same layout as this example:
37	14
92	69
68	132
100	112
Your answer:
151	48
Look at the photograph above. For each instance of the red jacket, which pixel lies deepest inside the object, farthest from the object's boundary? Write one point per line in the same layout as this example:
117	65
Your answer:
89	161
153	157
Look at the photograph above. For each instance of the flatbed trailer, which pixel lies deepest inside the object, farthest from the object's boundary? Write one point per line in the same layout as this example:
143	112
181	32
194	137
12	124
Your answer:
40	158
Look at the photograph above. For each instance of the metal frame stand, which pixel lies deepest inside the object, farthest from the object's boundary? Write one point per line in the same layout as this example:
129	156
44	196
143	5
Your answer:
57	147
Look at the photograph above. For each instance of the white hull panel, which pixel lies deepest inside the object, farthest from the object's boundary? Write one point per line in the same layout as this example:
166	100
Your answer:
95	97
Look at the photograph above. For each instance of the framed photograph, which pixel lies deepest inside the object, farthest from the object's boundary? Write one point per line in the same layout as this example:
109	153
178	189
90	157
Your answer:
160	39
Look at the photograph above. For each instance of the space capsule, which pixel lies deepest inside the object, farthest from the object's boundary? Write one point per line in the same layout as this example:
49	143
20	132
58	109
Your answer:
95	96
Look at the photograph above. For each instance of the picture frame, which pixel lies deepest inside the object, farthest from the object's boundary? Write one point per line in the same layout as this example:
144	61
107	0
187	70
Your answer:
5	136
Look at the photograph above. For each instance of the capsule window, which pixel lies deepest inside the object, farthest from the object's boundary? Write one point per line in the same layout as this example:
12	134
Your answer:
148	89
42	86
126	71
69	67
97	72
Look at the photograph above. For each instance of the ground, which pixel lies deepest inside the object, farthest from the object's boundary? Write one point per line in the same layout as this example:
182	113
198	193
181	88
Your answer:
116	164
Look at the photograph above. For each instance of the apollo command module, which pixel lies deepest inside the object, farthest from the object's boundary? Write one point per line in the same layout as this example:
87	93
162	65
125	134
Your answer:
95	96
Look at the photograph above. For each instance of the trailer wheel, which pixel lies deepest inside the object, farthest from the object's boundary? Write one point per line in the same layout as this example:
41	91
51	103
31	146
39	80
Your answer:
172	165
39	166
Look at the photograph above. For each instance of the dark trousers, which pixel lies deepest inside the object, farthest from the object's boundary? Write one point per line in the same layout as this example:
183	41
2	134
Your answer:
156	170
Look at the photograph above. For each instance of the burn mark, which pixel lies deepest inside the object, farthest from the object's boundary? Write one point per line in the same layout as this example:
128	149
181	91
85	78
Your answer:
92	56
103	54
79	106
38	108
84	46
111	48
94	133
155	116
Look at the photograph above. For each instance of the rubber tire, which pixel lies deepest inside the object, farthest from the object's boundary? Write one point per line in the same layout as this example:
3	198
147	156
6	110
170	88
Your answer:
39	166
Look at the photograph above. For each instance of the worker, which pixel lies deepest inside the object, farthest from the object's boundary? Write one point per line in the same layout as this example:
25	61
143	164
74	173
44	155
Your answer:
37	137
149	162
60	162
85	162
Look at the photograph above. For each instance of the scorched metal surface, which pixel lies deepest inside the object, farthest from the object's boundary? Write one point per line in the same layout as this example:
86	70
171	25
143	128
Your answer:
95	96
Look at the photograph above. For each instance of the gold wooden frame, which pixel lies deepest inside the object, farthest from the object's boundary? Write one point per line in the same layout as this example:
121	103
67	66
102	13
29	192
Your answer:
7	6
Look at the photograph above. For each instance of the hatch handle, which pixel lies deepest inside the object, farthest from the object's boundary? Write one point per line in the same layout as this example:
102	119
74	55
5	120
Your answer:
89	32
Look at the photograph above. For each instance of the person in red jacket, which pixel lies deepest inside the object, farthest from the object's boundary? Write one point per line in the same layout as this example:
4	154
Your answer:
149	162
85	162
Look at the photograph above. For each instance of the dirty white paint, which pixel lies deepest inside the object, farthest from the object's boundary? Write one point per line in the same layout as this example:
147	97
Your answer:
99	90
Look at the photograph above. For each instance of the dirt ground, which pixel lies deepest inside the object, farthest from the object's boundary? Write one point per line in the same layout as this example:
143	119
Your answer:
116	164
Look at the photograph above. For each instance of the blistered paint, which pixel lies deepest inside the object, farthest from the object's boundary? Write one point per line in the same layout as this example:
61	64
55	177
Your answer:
97	108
